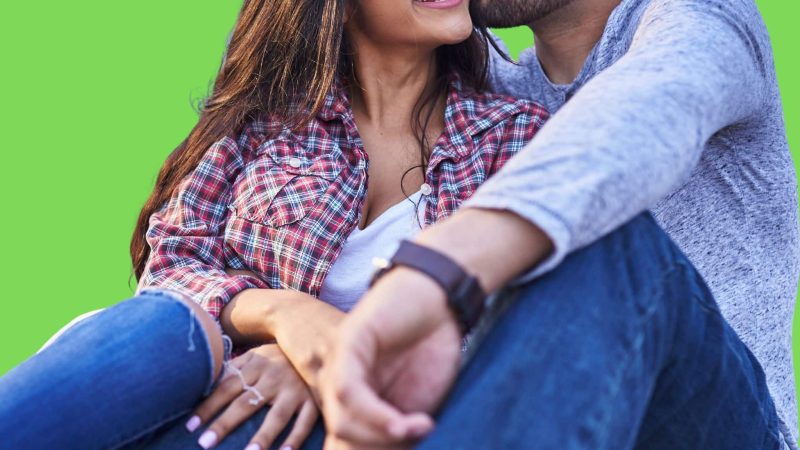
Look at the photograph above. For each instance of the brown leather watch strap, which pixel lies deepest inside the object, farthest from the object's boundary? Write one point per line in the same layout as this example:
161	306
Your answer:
465	297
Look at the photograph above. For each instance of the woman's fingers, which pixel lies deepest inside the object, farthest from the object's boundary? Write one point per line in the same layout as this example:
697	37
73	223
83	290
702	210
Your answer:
274	382
234	415
223	395
306	419
276	420
226	391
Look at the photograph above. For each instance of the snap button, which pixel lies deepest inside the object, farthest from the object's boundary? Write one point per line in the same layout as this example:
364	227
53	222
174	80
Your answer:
426	189
295	163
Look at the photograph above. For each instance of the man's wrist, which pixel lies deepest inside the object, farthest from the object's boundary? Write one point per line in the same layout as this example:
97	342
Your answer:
427	294
493	245
465	296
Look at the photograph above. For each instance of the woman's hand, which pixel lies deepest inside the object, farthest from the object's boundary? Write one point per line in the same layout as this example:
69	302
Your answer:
305	330
271	380
303	326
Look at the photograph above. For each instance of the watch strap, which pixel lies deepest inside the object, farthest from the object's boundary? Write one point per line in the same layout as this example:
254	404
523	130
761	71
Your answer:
465	297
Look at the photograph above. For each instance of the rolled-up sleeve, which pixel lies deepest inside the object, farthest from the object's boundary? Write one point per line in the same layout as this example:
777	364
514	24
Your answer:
186	236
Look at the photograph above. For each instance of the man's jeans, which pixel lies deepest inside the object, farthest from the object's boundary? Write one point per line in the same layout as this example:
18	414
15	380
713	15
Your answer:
622	346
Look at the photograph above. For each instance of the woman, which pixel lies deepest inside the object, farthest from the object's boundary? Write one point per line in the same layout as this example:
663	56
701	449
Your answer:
264	210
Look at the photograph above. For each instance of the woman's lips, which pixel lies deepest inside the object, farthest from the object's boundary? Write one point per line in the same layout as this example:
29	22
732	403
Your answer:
438	4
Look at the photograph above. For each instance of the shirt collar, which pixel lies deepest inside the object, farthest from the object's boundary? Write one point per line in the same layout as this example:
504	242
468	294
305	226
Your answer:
467	114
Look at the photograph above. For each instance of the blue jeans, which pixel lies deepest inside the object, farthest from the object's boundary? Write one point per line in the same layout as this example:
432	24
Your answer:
621	347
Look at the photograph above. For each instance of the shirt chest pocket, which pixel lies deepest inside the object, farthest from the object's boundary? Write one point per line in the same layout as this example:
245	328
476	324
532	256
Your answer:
282	185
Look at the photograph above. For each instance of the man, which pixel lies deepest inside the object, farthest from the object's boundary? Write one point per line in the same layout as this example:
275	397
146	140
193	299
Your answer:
612	340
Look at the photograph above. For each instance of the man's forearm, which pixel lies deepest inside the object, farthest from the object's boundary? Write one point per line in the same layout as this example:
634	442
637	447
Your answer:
493	245
635	132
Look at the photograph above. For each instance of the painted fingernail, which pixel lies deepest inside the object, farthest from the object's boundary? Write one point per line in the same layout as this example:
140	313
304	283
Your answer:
207	439
253	447
287	447
193	423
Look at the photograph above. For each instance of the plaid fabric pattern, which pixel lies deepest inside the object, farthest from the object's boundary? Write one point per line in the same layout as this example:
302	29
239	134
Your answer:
281	203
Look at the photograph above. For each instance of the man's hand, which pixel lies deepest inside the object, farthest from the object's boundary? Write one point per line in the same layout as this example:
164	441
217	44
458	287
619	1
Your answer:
398	351
397	355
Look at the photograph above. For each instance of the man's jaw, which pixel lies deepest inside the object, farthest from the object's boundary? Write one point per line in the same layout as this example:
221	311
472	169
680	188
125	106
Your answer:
513	13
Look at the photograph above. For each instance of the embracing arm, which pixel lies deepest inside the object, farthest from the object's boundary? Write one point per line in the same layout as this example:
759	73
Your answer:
628	138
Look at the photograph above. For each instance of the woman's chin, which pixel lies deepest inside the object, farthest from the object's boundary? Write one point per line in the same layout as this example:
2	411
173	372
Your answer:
455	33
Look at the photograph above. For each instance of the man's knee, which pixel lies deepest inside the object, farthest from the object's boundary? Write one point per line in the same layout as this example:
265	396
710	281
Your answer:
632	273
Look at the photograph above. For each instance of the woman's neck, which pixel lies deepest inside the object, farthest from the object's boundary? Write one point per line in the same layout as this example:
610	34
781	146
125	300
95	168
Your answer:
389	82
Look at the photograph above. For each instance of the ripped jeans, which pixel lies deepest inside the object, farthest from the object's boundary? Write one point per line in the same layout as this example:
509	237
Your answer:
110	380
620	347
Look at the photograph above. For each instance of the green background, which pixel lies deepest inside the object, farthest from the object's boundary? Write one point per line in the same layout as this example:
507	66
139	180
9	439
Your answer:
94	96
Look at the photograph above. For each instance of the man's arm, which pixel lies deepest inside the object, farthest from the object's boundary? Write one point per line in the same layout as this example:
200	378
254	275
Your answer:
628	138
635	132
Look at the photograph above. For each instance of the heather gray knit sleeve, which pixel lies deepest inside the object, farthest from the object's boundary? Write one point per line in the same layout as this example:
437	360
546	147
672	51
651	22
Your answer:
635	132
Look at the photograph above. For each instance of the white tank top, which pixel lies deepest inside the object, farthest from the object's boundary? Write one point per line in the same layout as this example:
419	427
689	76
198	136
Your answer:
349	275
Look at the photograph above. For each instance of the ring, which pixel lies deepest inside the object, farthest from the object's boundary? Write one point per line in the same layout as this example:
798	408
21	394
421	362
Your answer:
258	397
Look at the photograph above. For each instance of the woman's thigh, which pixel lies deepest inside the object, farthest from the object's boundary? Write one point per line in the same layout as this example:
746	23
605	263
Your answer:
177	437
109	379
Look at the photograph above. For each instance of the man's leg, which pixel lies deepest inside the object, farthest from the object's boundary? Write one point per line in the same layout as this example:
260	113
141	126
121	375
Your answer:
620	347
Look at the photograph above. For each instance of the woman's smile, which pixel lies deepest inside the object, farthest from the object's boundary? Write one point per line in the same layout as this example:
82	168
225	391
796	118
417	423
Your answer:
439	4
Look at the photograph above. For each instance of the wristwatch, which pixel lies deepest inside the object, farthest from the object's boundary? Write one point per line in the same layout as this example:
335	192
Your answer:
465	297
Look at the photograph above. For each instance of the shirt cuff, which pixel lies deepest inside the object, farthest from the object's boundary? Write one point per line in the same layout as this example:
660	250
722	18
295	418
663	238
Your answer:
548	221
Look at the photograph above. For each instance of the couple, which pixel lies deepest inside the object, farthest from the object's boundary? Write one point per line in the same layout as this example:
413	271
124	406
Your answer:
342	130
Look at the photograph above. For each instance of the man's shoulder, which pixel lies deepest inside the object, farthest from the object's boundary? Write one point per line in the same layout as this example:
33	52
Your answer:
742	15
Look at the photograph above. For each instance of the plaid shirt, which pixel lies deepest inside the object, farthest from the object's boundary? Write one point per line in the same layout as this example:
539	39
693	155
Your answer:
281	203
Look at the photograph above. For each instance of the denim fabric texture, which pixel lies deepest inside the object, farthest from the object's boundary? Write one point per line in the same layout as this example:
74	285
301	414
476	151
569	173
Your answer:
109	380
621	347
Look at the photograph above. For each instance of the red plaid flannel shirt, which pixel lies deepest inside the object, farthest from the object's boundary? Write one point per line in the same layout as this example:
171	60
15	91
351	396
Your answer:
281	203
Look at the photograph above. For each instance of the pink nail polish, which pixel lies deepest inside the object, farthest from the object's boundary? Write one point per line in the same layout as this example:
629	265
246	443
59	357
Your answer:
193	423
287	447
207	439
253	446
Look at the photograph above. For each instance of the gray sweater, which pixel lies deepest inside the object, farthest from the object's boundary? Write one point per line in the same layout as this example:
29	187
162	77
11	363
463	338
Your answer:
676	111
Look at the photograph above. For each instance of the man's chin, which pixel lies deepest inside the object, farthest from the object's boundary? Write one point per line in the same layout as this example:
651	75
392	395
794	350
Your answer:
513	13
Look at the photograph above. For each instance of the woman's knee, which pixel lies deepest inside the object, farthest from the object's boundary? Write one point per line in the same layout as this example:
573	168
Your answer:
211	331
209	328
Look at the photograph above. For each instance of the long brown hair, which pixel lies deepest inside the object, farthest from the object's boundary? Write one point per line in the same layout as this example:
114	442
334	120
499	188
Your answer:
281	61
